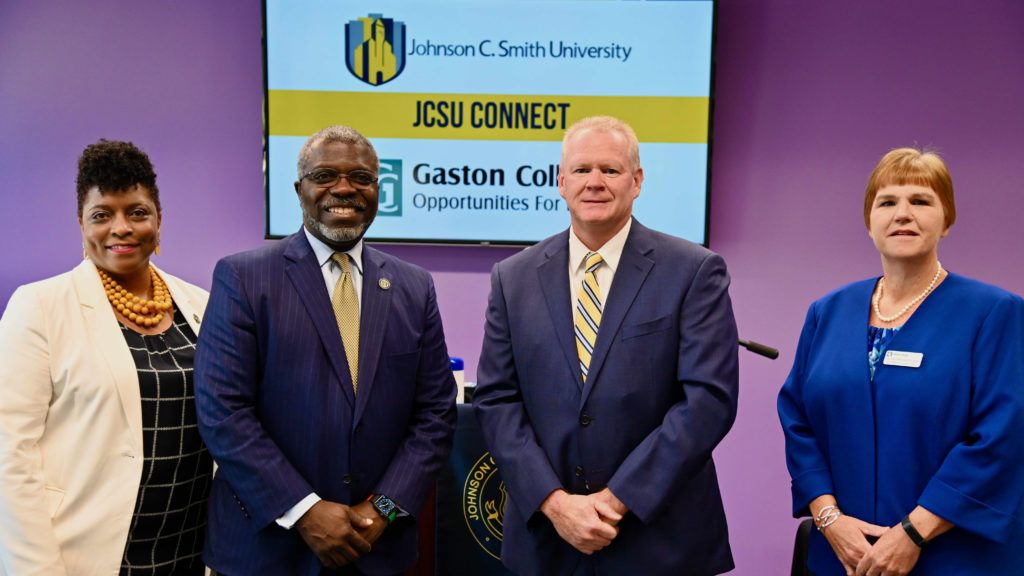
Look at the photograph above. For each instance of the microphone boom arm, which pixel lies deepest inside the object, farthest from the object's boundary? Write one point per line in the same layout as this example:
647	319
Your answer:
760	349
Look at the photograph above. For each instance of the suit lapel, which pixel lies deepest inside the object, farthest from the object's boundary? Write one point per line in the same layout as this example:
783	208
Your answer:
374	308
303	271
106	338
634	266
553	273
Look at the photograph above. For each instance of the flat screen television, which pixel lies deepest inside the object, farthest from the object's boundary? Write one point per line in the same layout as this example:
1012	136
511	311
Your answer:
466	103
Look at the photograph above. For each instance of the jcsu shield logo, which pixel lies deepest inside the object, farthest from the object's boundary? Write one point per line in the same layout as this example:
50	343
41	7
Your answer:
389	198
375	48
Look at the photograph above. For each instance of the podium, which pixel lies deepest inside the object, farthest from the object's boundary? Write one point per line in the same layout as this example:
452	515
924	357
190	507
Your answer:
471	498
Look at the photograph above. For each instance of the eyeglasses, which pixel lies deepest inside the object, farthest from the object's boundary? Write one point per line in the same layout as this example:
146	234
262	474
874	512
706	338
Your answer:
327	177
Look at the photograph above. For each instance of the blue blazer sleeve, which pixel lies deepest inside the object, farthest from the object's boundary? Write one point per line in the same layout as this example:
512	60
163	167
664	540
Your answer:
807	464
980	484
428	439
227	376
707	369
498	402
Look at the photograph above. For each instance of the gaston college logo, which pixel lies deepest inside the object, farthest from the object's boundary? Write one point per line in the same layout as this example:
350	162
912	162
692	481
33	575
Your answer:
483	504
375	48
389	186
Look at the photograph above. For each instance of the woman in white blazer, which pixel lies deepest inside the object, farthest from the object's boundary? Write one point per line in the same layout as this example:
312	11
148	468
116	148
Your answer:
102	470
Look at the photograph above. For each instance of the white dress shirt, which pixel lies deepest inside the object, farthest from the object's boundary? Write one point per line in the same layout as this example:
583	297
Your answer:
611	252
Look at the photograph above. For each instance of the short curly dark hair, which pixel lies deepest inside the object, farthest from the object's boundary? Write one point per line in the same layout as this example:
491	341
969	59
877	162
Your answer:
113	166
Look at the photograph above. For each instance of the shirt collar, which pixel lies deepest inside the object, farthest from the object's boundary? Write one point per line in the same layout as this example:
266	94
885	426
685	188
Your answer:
324	252
611	252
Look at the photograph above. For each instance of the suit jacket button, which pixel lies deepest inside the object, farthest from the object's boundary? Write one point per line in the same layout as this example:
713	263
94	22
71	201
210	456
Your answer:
346	479
585	420
579	471
359	428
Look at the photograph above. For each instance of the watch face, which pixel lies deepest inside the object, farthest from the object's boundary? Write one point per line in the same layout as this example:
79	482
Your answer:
384	505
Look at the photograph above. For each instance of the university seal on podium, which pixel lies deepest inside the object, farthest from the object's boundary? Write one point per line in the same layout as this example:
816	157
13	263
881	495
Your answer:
483	504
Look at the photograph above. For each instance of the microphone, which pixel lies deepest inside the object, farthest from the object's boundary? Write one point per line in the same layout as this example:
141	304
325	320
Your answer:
761	349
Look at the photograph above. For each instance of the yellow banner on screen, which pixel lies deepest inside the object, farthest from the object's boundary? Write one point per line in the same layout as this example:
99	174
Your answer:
483	116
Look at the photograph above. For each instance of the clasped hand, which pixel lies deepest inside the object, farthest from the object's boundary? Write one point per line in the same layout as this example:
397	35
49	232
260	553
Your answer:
588	523
894	554
340	534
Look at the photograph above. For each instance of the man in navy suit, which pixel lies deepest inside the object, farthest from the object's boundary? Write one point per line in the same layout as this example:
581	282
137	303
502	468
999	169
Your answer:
607	377
322	385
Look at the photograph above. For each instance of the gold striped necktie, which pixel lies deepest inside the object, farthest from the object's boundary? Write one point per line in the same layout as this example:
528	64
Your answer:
346	312
588	313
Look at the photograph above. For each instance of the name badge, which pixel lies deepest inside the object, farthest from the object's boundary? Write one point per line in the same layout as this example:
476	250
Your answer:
905	359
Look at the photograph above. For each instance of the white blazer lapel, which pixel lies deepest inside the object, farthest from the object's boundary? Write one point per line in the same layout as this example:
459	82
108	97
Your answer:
104	333
190	309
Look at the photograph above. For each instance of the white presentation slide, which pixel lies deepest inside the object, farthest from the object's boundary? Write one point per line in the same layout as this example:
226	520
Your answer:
466	103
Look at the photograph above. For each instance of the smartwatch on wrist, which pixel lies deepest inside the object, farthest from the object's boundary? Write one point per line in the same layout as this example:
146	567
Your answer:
385	507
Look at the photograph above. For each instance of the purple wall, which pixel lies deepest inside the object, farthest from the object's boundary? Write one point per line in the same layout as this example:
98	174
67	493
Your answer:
809	95
180	79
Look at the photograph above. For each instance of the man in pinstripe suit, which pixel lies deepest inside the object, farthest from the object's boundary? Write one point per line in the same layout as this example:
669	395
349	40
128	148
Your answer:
323	387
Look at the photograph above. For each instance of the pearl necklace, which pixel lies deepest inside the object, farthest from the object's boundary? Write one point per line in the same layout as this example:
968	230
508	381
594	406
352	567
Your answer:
921	296
144	313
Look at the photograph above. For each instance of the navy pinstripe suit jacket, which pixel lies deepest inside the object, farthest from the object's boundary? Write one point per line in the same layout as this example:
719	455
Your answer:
277	410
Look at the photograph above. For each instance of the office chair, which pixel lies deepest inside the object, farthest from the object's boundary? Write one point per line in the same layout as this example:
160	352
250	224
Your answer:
803	536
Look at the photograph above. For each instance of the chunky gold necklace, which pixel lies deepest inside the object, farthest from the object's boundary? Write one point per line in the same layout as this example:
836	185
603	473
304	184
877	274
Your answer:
921	296
145	313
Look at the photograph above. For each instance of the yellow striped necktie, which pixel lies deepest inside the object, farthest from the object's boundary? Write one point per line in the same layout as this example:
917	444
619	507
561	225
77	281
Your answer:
346	312
588	312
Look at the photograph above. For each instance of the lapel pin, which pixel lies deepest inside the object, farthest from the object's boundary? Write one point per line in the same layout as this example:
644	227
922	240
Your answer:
196	318
384	284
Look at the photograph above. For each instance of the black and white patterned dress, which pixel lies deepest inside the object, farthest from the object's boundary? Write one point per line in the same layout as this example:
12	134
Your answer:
169	524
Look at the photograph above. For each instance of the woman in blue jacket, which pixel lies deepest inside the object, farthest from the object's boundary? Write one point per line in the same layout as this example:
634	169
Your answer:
904	410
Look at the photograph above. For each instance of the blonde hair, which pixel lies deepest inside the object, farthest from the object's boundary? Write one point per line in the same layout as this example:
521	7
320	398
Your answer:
607	125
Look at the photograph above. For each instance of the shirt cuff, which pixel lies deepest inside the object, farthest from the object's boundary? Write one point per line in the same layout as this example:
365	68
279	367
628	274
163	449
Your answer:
289	518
